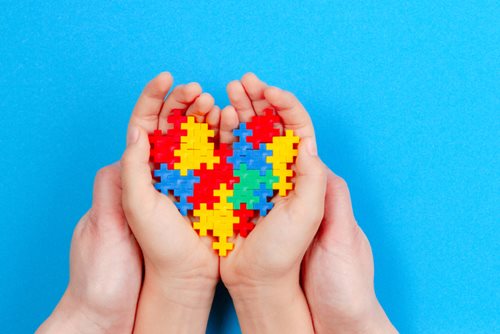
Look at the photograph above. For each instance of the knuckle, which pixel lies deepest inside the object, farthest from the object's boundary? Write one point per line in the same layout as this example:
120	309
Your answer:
322	171
237	99
189	90
339	185
105	174
178	89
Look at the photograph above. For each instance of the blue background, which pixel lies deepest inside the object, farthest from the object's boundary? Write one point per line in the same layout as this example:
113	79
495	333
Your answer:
404	96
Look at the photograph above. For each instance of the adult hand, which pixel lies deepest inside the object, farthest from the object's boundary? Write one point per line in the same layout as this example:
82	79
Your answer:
338	271
105	267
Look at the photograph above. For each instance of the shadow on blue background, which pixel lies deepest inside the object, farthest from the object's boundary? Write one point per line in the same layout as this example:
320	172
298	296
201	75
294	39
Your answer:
404	96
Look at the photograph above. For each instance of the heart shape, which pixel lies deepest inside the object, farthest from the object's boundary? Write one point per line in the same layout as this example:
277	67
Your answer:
224	187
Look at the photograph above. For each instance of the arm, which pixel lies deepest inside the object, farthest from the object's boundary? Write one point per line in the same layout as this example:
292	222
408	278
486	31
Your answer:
174	307
272	309
338	271
262	272
181	270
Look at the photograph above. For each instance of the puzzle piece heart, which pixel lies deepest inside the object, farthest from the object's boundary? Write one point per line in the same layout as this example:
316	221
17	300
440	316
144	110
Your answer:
223	187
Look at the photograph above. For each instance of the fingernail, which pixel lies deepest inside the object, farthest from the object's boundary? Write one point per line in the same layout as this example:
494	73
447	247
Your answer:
132	135
311	147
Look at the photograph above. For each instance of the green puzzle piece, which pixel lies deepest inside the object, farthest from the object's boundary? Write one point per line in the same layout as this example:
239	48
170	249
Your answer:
250	180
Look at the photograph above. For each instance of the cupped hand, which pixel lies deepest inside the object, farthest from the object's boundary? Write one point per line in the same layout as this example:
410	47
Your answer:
262	271
181	269
338	271
105	267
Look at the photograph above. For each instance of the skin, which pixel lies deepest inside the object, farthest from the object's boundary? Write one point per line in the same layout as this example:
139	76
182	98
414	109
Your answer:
181	269
262	272
105	267
338	271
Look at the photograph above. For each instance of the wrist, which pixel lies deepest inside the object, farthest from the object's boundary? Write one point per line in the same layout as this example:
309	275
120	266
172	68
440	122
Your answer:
376	321
174	305
72	316
194	291
371	320
271	308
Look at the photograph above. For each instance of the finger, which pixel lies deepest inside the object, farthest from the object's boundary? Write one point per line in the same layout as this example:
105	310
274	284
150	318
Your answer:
181	98
307	200
138	193
254	88
339	222
106	199
144	207
291	111
149	104
228	122
201	106
240	101
213	119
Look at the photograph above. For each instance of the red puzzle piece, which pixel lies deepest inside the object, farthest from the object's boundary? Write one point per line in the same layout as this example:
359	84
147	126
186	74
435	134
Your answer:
244	226
263	128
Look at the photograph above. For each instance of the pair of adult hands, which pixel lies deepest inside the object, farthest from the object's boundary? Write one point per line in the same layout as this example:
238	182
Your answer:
311	236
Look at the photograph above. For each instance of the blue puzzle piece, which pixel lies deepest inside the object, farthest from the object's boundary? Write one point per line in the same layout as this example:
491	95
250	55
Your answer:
242	149
182	186
264	205
242	146
183	205
237	159
241	152
242	132
256	160
168	178
185	184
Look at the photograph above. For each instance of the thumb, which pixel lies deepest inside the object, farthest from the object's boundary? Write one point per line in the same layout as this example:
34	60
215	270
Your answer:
310	183
339	222
138	193
107	196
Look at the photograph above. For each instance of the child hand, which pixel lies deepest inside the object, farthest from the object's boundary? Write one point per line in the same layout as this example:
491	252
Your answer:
105	267
181	269
338	271
262	271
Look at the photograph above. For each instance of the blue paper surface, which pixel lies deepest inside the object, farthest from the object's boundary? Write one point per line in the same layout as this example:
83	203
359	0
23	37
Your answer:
405	97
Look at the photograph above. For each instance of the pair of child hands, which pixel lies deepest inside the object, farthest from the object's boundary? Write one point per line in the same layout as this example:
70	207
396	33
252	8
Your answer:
306	267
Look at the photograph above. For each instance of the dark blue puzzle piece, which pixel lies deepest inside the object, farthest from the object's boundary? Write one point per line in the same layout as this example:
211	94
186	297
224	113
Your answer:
256	160
242	146
185	184
168	178
242	132
264	205
183	205
182	186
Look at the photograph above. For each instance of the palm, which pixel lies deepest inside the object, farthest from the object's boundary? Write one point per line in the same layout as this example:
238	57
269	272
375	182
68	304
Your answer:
337	270
262	251
183	246
165	236
279	240
103	250
348	279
